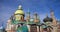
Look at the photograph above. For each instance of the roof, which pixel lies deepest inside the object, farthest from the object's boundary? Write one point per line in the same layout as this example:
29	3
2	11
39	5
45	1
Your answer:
47	19
20	10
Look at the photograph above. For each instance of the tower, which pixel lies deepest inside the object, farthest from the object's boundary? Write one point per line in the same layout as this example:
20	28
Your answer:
48	22
54	23
28	16
53	17
15	20
28	20
36	20
33	24
19	14
8	28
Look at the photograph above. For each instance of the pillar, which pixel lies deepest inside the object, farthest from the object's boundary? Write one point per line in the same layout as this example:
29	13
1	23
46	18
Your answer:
37	28
28	28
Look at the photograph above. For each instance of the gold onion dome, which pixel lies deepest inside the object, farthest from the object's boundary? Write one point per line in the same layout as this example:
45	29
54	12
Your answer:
20	10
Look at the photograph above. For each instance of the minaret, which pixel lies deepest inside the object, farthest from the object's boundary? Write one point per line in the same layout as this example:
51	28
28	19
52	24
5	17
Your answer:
53	17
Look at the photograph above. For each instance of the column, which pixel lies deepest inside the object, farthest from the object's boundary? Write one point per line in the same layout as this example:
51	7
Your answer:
28	28
37	28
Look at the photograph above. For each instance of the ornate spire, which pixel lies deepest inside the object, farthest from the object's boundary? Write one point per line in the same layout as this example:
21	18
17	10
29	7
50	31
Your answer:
35	15
20	7
28	15
53	17
20	10
28	12
52	12
46	15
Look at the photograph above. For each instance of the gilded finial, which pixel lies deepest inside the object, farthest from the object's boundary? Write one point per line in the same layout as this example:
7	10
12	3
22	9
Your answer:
20	7
52	12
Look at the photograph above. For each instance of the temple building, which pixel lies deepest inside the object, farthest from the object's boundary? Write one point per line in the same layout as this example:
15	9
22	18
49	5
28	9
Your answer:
17	22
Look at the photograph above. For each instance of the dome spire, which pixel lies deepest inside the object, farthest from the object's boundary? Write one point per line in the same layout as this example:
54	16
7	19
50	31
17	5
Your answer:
19	10
28	11
20	7
47	15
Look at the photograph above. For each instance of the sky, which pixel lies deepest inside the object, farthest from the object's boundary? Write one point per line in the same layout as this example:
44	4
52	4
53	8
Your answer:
41	7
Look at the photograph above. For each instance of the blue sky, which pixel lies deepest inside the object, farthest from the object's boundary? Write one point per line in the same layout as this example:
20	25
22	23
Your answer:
42	7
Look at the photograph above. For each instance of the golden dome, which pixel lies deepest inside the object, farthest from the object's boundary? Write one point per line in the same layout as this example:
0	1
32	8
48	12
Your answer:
20	10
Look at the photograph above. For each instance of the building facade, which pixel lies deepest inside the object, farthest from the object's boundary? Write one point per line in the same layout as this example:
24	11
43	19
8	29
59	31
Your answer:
17	23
